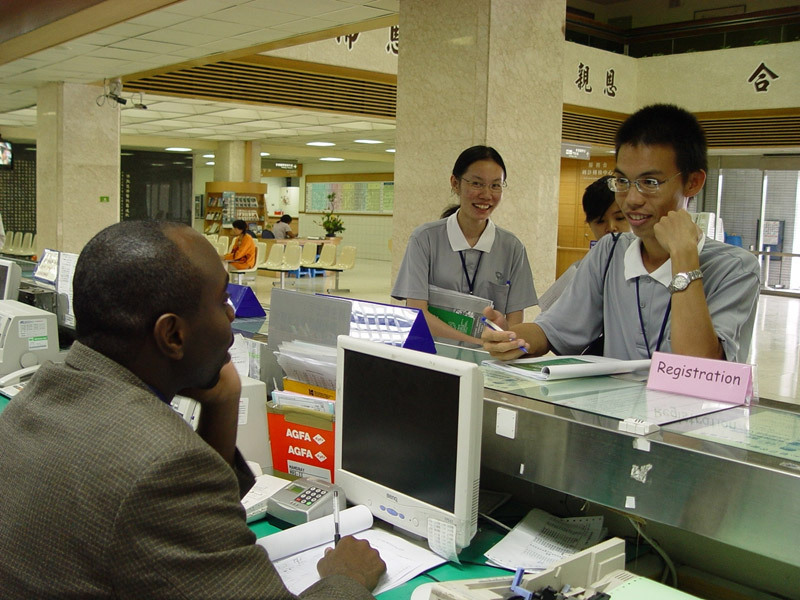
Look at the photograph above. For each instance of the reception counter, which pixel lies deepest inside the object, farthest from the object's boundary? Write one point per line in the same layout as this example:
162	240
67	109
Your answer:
732	475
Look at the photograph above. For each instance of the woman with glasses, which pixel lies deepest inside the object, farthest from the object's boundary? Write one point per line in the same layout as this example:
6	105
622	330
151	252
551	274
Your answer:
466	252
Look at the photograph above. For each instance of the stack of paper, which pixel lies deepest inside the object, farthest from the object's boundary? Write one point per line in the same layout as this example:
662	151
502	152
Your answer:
461	311
309	363
282	398
295	552
541	539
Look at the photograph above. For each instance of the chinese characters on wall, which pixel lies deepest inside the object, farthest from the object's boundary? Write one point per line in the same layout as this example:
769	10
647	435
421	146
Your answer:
584	84
761	78
392	46
595	169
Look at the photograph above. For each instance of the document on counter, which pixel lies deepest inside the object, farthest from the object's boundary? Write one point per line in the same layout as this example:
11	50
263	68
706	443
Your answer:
295	552
566	367
541	539
309	363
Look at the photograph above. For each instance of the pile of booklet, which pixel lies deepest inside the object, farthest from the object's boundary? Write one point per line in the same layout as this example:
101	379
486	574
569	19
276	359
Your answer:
461	311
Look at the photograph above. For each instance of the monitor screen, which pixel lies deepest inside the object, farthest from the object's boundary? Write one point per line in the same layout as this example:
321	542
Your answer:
408	431
10	274
6	155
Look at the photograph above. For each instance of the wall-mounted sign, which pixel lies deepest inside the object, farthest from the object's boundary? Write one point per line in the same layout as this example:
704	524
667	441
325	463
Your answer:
575	151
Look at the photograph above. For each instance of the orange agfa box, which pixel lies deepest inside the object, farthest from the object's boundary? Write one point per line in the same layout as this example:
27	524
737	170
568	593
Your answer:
302	441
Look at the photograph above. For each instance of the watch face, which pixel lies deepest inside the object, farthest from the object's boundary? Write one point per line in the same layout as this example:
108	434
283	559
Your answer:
680	282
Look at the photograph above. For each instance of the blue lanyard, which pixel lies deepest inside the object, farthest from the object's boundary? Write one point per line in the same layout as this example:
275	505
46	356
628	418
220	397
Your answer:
641	322
470	282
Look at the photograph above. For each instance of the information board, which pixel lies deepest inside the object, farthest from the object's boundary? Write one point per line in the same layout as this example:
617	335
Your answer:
367	197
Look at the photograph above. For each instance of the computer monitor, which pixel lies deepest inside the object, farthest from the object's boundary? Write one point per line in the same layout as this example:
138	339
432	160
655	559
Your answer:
10	274
408	437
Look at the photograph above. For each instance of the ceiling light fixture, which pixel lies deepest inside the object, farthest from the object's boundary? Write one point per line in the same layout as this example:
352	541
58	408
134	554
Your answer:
367	142
390	150
320	144
265	154
178	149
332	159
208	156
211	163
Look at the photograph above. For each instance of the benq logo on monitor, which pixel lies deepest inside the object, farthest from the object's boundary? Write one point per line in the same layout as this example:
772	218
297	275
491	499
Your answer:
391	497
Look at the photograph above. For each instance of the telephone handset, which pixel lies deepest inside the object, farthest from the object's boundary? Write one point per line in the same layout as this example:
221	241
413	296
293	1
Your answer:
304	499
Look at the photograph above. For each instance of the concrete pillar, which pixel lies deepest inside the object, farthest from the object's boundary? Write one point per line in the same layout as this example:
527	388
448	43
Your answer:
481	72
229	162
77	165
238	161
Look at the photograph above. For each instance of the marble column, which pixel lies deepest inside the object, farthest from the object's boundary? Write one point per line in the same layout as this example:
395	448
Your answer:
229	162
481	72
77	165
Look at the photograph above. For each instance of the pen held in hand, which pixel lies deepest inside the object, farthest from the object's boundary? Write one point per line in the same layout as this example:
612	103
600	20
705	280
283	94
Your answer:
492	324
496	327
336	535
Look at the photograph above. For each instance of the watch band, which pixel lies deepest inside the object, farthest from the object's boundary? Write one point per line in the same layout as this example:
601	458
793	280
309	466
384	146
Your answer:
680	281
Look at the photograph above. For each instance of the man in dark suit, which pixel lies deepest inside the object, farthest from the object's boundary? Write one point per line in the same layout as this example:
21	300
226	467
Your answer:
106	492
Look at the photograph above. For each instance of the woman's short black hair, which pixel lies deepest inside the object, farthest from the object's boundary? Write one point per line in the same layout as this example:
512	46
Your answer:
597	198
286	219
240	225
474	154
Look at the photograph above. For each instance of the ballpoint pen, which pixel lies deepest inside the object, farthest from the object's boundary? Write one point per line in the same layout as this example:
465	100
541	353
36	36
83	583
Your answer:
336	536
492	324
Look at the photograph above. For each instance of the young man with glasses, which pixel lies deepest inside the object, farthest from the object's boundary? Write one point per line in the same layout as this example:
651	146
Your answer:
668	288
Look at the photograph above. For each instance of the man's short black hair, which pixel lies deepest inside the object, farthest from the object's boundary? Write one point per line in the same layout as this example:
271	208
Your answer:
667	125
127	276
286	219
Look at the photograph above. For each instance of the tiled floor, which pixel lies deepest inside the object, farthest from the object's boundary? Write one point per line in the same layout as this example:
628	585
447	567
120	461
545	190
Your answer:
775	348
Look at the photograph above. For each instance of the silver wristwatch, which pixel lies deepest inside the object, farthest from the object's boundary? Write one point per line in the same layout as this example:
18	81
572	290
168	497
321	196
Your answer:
680	281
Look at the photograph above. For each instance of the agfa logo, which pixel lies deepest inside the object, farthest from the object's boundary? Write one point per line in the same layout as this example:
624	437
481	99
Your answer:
298	435
304	452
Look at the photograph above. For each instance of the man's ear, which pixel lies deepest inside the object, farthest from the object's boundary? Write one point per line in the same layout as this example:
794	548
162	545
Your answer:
170	335
694	183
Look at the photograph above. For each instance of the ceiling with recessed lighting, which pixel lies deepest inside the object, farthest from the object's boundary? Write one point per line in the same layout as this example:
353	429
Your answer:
199	30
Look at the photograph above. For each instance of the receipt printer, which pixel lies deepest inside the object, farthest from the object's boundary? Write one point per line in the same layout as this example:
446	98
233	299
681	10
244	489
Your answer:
28	336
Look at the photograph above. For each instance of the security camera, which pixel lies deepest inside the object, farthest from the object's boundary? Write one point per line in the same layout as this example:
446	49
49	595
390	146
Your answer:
117	99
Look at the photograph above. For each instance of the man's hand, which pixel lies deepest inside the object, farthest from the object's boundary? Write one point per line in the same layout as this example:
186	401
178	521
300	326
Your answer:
220	411
502	345
227	390
678	235
353	558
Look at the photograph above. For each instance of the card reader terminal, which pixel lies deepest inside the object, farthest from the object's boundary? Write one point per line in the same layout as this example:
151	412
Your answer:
304	500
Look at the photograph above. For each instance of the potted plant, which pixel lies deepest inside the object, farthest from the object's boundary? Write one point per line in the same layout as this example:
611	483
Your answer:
331	223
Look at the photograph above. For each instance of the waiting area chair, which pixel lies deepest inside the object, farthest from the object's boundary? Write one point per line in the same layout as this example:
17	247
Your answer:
7	244
347	260
327	257
16	242
291	261
26	247
261	251
307	258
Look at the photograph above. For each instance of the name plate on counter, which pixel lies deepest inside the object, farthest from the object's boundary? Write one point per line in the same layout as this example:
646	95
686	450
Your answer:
701	377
